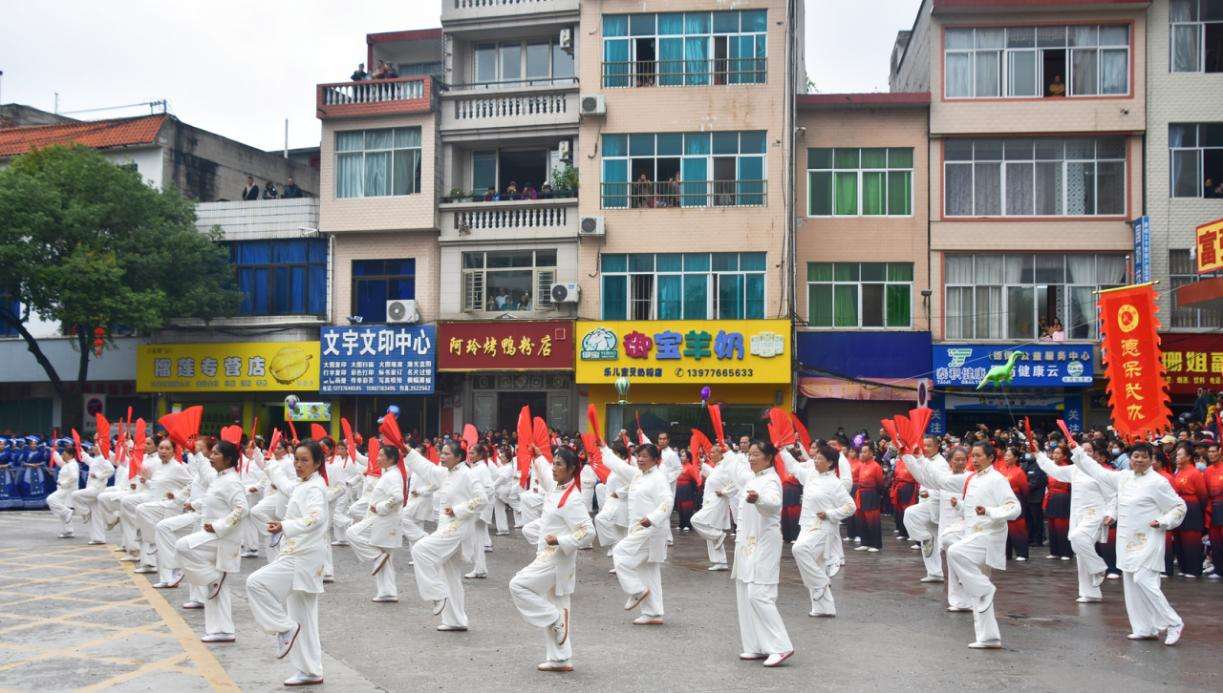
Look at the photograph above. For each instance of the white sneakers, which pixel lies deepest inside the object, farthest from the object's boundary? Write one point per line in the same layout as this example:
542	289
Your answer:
1174	634
385	599
218	637
932	578
285	640
986	645
718	567
300	679
1089	600
473	575
775	660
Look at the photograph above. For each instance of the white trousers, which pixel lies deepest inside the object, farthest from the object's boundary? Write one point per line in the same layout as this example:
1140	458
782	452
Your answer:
1145	603
921	522
147	516
479	564
384	582
636	573
87	506
968	557
199	569
166	534
1087	562
108	501
760	626
607	528
810	555
956	596
534	594
340	521
438	563
501	513
278	608
60	504
270	508
253	533
128	521
702	522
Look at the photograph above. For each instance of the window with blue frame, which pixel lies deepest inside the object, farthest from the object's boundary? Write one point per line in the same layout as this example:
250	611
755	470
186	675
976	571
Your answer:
281	277
374	282
674	49
683	286
684	169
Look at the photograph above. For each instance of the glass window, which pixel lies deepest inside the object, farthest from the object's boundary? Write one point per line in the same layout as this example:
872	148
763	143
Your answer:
1028	62
1197	35
853	295
696	169
508	281
281	277
685	49
853	182
374	163
538	60
691	286
1196	151
377	281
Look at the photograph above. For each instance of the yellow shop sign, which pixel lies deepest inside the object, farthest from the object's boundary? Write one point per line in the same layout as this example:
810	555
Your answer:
228	367
684	351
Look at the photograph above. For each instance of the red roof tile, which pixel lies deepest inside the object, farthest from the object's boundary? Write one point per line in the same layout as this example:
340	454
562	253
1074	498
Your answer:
97	134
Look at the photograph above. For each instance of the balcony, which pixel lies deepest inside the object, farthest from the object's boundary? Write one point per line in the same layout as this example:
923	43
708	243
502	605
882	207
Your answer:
685	73
258	219
516	107
509	220
403	95
474	11
684	194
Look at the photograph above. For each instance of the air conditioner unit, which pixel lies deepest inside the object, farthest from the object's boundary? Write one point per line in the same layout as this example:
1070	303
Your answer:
592	105
564	293
566	40
402	310
591	226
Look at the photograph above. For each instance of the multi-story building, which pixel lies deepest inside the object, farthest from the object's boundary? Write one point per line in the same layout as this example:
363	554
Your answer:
687	204
1037	121
1184	179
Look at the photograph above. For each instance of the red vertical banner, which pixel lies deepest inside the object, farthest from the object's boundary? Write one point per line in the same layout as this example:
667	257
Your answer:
1133	362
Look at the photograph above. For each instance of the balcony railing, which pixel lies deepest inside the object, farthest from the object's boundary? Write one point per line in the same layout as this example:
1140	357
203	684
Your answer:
683	194
375	96
515	218
511	84
685	73
238	219
515	107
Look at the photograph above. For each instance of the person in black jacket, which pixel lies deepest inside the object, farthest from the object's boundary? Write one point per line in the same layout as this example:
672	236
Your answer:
251	191
1037	482
291	190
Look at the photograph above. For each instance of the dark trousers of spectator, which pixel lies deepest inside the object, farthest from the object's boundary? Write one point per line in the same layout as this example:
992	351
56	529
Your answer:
686	494
1034	513
1017	534
1216	536
869	518
1187	540
1058	513
1108	551
854	524
791	508
905	496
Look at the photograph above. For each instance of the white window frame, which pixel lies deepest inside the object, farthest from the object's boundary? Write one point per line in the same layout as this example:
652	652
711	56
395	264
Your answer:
476	280
524	80
889	169
1042	80
711	287
1201	49
414	189
1199	152
858	283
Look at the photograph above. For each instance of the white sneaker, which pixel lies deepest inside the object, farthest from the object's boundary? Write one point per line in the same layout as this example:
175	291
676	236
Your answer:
1089	600
1174	634
861	548
647	621
1051	556
718	567
1097	579
219	637
872	550
560	629
635	600
452	629
285	640
66	535
987	645
1065	558
300	679
1112	576
775	660
339	542
1138	636
473	575
1021	559
439	605
932	578
558	667
192	605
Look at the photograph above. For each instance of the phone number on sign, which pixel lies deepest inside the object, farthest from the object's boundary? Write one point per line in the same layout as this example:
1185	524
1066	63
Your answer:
714	372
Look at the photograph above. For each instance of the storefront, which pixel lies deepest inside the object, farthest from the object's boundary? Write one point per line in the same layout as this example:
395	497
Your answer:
366	369
1052	380
747	364
236	382
851	380
1192	361
491	368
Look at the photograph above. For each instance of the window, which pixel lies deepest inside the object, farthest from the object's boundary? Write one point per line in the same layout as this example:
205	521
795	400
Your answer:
376	163
860	294
526	169
1197	35
691	169
529	62
1032	62
374	282
685	48
1040	177
1182	270
860	182
1027	296
508	280
687	286
281	277
1197	159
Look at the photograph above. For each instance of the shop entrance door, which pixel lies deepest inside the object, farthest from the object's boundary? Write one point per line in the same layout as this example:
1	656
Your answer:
510	403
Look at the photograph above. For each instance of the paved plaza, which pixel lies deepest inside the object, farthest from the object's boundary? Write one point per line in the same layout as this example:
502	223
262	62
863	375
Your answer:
73	617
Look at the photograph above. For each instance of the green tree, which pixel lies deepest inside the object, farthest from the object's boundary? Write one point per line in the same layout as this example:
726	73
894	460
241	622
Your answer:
88	244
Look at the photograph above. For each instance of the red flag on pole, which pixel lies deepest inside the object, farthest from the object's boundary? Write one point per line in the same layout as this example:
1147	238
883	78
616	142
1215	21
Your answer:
1133	361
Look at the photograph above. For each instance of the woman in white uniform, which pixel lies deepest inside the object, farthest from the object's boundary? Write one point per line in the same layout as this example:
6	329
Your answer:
611	522
376	537
712	521
439	557
66	482
639	556
482	542
86	500
209	555
541	591
826	502
758	562
284	593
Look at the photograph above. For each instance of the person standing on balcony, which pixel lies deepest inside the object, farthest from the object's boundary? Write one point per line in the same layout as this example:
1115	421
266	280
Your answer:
251	191
291	191
269	191
359	74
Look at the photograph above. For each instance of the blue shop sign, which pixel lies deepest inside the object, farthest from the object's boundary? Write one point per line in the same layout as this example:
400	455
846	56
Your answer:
378	360
865	354
1048	364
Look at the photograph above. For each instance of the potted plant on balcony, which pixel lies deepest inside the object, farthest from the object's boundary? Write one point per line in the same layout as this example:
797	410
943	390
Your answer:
565	182
455	195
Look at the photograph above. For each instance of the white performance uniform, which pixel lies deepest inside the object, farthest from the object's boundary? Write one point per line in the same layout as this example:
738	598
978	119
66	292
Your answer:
206	557
922	519
137	493
169	488
380	531
284	593
108	498
818	536
480	538
85	501
505	496
983	545
439	557
1141	500
280	479
611	523
60	500
757	566
541	590
712	521
639	556
420	507
673	468
176	526
1090	502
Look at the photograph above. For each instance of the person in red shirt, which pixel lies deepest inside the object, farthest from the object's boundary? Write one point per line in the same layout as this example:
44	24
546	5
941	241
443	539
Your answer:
1214	508
903	494
1017	529
869	500
1190	485
1057	508
854	524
